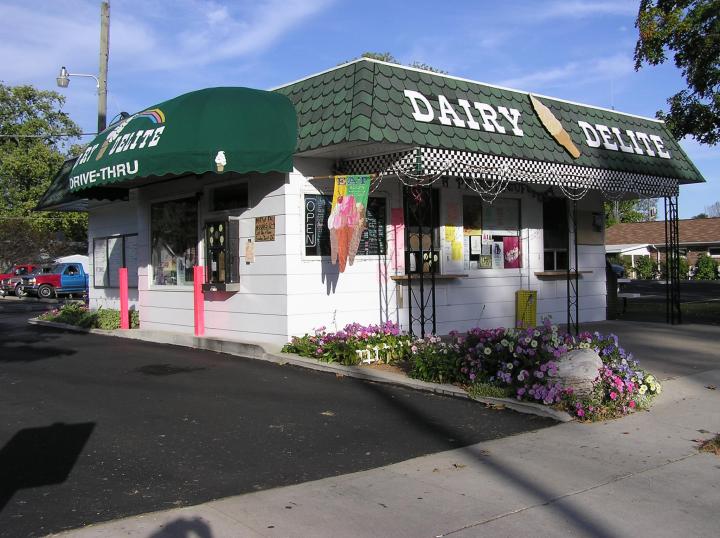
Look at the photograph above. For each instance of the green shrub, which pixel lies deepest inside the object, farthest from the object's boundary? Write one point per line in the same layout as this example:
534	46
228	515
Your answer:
626	262
644	267
489	390
433	360
78	314
706	268
684	268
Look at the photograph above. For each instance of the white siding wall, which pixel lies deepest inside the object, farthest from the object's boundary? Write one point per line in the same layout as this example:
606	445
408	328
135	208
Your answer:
107	219
284	292
319	296
257	312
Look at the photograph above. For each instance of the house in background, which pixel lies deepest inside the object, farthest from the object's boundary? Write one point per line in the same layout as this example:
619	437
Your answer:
633	239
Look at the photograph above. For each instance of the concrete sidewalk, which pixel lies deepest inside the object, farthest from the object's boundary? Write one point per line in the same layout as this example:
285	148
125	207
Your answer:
638	475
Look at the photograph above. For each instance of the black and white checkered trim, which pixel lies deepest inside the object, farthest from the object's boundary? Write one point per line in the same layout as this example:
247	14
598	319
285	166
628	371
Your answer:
432	161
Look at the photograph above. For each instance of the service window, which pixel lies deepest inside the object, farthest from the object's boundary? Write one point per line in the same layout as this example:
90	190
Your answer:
422	218
222	251
555	234
317	234
492	233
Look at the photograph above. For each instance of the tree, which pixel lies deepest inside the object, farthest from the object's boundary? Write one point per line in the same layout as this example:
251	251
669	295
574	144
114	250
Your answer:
690	30
644	267
630	211
388	57
33	129
713	210
700	216
706	268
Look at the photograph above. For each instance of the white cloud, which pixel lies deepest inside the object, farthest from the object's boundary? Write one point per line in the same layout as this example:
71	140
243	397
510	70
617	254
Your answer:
699	152
573	73
144	36
578	9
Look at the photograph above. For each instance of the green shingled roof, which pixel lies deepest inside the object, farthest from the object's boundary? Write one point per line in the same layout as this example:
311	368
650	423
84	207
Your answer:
364	102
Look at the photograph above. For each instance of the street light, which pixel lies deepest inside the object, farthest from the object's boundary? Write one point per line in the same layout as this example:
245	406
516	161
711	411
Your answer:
63	79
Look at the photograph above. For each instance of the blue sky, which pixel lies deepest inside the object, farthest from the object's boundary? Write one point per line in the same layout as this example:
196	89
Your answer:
581	50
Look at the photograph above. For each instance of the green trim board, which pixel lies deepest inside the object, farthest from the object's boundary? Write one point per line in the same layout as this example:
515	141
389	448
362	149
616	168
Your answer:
368	101
212	130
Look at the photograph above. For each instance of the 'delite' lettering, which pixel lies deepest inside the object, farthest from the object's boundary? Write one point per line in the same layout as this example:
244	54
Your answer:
611	138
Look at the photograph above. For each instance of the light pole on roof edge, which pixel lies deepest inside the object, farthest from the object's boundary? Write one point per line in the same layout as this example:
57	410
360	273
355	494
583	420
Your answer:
63	79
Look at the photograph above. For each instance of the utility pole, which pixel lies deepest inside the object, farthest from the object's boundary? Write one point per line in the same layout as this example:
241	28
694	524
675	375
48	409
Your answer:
104	54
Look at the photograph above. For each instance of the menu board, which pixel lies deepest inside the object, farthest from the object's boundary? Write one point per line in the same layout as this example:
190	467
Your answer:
115	260
317	234
109	255
99	263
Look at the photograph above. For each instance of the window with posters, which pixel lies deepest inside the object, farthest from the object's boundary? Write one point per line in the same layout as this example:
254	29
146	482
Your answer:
317	234
492	233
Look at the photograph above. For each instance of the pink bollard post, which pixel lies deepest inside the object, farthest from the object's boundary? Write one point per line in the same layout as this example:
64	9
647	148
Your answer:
199	299
124	310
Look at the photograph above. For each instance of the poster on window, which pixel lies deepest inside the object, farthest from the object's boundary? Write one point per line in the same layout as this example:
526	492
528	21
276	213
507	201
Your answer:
347	218
511	252
498	260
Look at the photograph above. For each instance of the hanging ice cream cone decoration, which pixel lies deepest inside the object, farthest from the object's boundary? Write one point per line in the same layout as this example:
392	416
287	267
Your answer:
346	221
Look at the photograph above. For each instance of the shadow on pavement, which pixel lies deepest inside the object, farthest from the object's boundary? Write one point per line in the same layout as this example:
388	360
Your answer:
40	457
585	523
184	528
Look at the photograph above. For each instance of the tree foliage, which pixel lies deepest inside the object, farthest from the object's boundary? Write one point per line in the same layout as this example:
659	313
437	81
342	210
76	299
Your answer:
388	57
33	131
630	211
706	268
690	30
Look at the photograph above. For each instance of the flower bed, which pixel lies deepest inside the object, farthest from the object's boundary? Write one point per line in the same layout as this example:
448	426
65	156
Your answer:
78	314
518	363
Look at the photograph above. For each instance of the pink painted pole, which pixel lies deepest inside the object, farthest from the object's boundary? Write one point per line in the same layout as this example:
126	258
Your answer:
199	299
124	310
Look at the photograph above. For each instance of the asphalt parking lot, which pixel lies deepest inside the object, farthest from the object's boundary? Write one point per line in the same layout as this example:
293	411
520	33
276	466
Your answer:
94	428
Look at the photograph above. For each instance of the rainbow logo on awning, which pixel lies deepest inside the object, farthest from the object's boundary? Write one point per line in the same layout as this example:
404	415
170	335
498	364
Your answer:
154	114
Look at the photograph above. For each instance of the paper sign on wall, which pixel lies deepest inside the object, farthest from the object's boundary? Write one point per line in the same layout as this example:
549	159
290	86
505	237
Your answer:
249	252
265	228
498	260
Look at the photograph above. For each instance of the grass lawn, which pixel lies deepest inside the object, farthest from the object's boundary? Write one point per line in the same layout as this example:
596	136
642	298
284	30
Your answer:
707	312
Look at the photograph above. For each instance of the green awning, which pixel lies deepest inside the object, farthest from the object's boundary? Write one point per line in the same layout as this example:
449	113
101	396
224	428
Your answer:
58	197
212	130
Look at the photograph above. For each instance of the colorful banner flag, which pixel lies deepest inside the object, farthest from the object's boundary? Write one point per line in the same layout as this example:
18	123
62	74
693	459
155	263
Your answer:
347	217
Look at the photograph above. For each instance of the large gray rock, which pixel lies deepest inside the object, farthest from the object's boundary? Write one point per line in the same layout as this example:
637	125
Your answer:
578	369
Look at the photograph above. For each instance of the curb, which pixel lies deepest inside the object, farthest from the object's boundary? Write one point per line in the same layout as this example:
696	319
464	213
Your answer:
259	352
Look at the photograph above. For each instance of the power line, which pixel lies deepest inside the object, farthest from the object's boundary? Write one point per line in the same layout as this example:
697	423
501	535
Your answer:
59	135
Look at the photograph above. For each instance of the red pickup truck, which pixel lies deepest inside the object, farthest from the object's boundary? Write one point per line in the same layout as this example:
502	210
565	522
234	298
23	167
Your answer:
18	269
